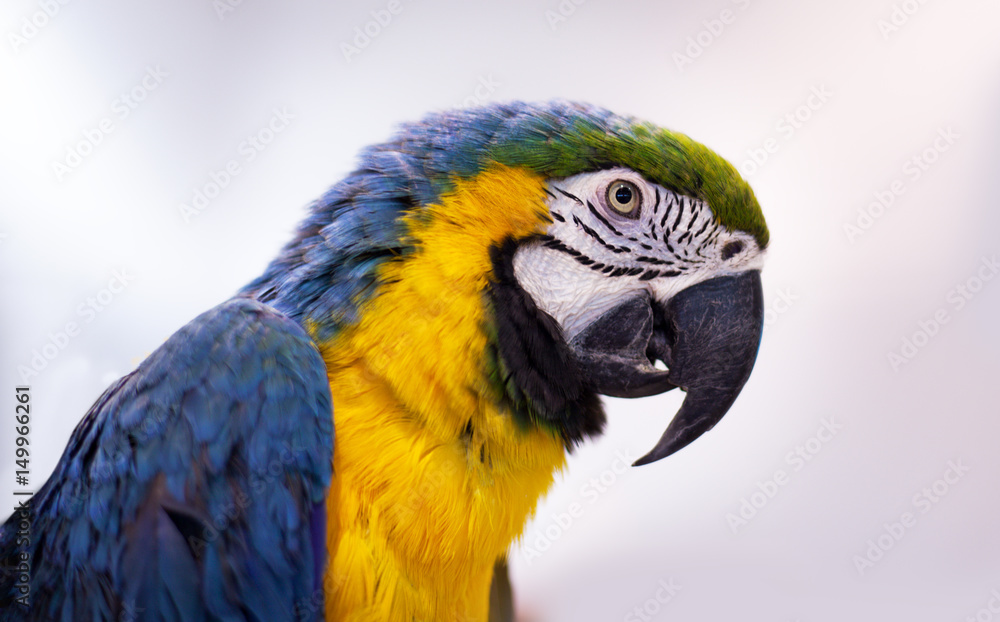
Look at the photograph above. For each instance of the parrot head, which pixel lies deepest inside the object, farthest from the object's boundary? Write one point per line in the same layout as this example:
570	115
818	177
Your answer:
633	266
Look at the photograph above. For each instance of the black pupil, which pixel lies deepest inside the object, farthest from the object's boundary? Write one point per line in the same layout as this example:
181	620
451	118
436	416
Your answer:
623	194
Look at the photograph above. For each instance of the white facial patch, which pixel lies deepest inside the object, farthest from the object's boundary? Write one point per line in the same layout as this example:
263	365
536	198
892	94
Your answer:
595	255
567	290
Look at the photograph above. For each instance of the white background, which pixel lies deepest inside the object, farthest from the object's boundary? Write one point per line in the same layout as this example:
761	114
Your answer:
839	305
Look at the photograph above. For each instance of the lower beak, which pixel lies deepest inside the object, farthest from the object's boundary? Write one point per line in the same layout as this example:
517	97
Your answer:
707	335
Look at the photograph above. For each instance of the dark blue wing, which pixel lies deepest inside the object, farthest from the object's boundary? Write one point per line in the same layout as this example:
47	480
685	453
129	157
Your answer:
194	488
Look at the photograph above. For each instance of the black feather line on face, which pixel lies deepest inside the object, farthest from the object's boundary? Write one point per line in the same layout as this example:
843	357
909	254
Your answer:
533	370
604	221
569	196
680	212
550	242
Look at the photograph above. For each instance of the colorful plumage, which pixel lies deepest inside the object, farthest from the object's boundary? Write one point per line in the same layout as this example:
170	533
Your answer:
457	304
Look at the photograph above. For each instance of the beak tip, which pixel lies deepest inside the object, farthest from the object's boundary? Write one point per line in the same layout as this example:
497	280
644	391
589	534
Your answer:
711	365
668	446
647	459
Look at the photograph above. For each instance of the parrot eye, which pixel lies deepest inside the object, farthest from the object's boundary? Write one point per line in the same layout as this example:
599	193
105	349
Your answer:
624	197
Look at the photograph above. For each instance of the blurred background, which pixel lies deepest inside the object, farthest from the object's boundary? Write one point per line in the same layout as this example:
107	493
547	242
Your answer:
155	156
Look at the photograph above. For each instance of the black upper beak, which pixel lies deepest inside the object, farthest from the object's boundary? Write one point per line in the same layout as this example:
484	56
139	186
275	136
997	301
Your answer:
707	335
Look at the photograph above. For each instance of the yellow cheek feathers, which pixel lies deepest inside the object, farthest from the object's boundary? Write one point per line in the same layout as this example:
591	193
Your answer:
431	481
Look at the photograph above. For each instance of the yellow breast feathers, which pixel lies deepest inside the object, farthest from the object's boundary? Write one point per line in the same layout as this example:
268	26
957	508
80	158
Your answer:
431	481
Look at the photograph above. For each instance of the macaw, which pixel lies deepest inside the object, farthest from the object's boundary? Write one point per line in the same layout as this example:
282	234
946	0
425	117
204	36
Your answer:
452	309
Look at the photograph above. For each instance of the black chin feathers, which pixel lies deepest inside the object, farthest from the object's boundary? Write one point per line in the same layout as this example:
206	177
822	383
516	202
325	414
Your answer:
530	364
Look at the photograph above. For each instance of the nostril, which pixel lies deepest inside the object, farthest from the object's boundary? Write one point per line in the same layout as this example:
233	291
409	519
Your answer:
731	250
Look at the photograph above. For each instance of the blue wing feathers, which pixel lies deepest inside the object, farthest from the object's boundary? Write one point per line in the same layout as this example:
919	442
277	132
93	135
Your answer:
194	488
